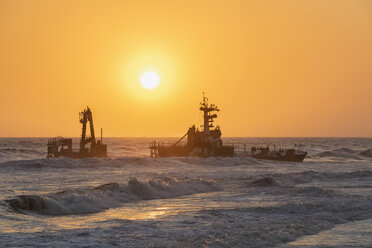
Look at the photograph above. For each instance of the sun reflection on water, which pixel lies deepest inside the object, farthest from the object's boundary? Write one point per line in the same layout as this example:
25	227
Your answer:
137	211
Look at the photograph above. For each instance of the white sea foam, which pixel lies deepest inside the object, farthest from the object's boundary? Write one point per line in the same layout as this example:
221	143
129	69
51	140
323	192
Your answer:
95	199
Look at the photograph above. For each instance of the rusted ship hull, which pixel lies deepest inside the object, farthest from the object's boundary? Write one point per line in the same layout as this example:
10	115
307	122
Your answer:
184	151
79	155
289	155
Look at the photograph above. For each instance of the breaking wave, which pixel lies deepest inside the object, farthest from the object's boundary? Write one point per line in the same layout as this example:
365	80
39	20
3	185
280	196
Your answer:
14	154
308	176
96	199
346	153
285	187
367	153
266	181
341	152
291	179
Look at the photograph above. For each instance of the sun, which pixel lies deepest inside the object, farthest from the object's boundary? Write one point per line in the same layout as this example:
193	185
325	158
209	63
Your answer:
150	80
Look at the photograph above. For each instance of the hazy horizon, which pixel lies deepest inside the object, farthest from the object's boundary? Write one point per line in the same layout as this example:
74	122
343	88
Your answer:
279	137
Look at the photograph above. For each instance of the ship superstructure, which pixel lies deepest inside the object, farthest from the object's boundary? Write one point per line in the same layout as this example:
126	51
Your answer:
203	142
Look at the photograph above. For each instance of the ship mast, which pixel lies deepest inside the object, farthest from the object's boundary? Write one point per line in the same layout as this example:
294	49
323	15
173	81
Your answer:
208	118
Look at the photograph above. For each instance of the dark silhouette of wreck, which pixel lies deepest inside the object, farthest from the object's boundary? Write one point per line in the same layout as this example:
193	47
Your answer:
203	143
61	147
282	154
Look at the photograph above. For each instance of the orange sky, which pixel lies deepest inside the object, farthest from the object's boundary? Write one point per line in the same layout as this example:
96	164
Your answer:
275	68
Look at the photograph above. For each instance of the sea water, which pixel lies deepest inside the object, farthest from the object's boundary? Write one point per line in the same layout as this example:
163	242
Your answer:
132	200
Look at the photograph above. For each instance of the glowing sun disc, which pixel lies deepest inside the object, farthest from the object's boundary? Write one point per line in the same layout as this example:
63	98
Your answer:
150	80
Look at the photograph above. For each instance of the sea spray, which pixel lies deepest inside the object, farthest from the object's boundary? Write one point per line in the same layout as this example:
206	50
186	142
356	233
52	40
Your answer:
96	199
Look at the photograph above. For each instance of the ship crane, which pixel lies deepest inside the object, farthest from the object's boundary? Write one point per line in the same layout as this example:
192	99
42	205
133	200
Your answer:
60	147
84	117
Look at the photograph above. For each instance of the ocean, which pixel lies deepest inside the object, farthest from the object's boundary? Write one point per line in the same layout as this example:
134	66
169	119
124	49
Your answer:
132	200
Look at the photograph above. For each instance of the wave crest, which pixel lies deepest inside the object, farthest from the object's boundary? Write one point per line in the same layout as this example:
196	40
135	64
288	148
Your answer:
367	153
265	181
96	199
340	152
